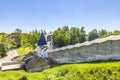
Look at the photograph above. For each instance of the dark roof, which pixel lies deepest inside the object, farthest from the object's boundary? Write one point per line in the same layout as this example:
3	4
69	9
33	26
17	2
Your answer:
42	40
34	63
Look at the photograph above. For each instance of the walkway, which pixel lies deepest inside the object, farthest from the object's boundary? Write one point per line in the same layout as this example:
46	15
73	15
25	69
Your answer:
10	55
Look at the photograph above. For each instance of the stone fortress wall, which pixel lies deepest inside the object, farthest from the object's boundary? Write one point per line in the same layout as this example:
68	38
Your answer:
99	49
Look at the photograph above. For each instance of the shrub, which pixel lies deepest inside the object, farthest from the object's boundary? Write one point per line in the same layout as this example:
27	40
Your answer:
3	49
109	71
91	72
23	78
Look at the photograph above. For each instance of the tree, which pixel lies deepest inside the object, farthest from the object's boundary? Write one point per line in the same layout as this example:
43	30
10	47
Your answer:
83	39
59	28
93	35
60	38
18	37
36	31
34	39
116	32
75	35
44	32
30	39
102	32
65	28
83	30
3	49
23	78
3	39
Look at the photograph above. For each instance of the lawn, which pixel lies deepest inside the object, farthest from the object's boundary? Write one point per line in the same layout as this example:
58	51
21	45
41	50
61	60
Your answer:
23	51
81	71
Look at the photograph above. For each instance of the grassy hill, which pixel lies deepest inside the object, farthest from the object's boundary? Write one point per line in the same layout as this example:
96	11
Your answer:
82	71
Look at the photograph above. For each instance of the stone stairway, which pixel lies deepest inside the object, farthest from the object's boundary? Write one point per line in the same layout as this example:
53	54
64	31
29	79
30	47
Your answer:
11	65
7	62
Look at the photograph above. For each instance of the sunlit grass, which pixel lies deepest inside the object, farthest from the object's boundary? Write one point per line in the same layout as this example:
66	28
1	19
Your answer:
23	51
82	71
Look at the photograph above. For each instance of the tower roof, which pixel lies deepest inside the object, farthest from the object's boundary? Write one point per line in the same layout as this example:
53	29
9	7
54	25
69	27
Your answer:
42	40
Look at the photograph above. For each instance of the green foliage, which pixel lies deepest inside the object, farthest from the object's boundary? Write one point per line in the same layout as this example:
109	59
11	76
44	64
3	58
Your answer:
23	78
33	39
106	35
18	38
25	39
74	35
3	37
83	39
79	35
83	30
64	36
61	38
35	31
23	51
65	28
93	35
3	49
102	32
116	32
82	71
30	39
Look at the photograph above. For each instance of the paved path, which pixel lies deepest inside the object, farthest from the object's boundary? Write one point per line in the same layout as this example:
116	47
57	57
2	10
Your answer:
10	55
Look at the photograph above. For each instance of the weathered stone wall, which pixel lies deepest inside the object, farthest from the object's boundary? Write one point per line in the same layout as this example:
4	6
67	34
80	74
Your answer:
99	49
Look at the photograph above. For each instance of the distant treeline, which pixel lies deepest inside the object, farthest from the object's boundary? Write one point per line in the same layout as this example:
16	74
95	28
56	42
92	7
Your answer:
65	36
61	37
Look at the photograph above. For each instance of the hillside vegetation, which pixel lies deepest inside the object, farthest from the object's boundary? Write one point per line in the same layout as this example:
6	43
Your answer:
23	51
82	71
60	37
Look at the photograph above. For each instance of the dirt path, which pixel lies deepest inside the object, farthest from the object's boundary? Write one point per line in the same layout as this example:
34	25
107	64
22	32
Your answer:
10	55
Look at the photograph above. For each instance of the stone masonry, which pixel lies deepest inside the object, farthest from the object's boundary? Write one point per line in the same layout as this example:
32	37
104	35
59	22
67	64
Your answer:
97	50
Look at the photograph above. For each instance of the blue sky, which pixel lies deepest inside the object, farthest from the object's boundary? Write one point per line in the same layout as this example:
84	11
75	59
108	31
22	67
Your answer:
51	14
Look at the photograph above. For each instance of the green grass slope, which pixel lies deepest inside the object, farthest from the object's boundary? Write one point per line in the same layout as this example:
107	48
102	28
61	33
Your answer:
83	71
23	51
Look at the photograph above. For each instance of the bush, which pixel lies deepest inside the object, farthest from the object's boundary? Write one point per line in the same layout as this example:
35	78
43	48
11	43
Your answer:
23	78
3	49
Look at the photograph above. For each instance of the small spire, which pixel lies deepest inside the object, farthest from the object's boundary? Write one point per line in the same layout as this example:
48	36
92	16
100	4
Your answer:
42	40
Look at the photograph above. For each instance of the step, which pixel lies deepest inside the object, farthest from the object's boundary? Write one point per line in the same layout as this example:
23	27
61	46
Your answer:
11	65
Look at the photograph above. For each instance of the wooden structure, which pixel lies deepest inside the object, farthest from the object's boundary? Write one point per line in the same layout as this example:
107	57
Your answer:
33	63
